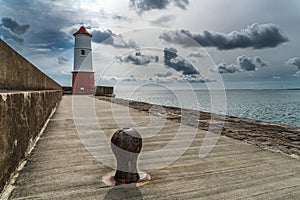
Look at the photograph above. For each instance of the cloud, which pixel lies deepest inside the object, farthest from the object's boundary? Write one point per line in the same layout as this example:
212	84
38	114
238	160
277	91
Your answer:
256	36
107	37
172	60
100	36
7	34
145	5
163	20
181	79
12	30
138	59
62	60
161	80
294	61
101	77
120	18
130	78
119	42
196	55
177	37
194	79
244	63
50	40
14	26
166	74
222	68
297	74
260	62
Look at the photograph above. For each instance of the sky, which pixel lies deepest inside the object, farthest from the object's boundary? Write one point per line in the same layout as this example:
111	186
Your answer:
238	44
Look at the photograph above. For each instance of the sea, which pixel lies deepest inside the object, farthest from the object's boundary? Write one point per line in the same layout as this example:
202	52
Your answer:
276	106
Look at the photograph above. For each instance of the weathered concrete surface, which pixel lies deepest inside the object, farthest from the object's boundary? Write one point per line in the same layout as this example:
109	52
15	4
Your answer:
16	73
22	116
275	137
60	167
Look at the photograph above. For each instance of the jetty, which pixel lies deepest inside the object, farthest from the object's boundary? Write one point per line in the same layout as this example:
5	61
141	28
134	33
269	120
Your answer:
55	146
60	167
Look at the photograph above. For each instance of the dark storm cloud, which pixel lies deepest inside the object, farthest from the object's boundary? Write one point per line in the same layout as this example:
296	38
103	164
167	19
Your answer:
178	37
172	60
14	26
145	5
101	36
7	34
45	25
107	37
138	59
295	62
41	14
12	30
50	39
181	3
256	36
244	63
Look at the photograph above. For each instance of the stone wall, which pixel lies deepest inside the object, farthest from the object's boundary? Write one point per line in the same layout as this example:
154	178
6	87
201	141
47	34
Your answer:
16	73
27	97
22	116
104	91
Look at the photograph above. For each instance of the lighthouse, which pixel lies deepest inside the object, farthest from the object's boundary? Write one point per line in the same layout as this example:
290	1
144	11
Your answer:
83	75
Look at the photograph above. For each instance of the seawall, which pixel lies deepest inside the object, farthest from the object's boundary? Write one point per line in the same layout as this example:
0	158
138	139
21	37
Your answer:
17	73
27	98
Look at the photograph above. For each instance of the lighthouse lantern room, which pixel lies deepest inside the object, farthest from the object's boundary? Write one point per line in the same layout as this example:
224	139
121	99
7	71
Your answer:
83	74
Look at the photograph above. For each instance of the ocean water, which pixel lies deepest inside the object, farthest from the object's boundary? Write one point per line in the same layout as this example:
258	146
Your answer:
277	106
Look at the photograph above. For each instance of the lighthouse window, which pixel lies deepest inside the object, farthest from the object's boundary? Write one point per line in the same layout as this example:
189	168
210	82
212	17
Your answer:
83	52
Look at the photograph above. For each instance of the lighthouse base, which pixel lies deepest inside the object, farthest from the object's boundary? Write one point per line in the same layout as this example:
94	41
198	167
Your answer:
83	83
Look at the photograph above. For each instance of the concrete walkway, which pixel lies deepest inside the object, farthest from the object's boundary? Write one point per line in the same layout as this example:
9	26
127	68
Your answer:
61	167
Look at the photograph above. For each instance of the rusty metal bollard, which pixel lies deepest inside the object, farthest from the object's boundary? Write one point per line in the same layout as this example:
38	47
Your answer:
126	144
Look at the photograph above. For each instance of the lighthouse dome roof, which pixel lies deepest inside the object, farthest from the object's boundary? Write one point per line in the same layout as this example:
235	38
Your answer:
82	30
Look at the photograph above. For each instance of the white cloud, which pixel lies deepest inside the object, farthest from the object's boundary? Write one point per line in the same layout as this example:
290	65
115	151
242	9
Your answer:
244	63
294	62
165	74
297	74
138	58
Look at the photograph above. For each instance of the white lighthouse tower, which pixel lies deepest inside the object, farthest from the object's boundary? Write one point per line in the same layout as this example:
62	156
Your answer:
83	75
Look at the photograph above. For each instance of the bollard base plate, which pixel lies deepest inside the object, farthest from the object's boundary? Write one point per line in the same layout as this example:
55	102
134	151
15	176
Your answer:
108	179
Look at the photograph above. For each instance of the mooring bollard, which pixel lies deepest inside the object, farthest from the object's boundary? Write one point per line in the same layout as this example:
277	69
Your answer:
126	144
